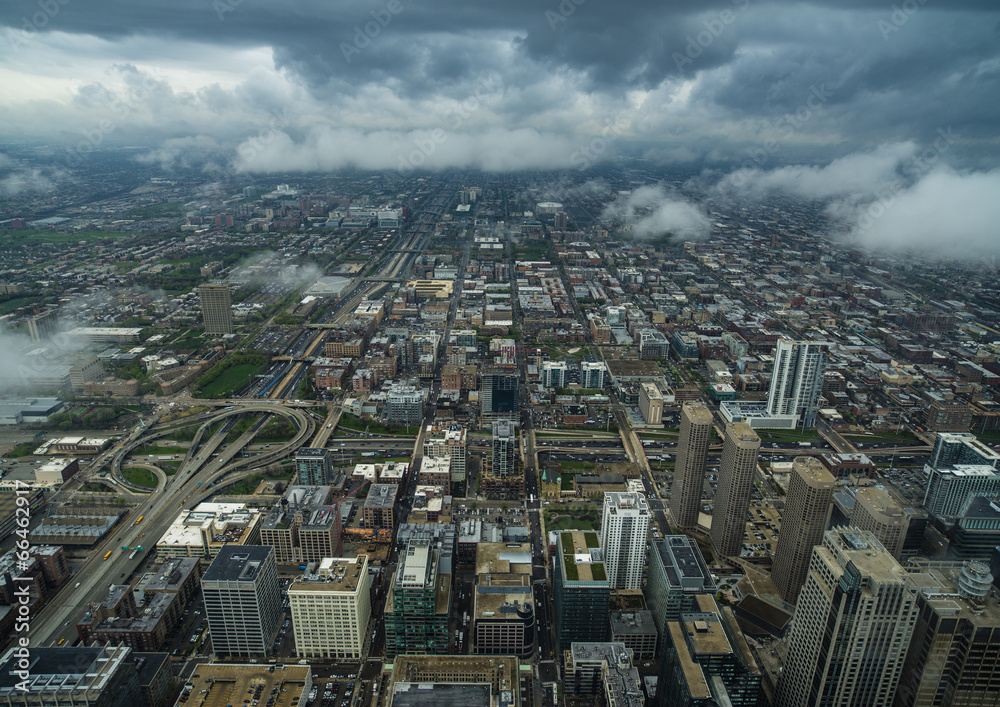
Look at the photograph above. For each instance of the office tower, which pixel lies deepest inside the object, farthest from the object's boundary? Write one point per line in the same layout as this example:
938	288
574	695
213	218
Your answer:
95	676
954	655
504	449
313	466
736	475
677	574
581	592
707	661
689	472
797	380
876	510
624	532
807	511
304	526
449	439
499	396
419	602
331	609
242	600
651	404
42	326
502	620
852	626
950	489
554	374
216	308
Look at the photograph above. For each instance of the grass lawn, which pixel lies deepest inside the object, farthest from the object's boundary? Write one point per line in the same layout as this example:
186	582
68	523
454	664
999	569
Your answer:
10	305
556	520
350	422
583	466
231	379
140	476
156	449
788	435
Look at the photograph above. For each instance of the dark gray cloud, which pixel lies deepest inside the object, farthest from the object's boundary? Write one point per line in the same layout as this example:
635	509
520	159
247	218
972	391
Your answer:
690	80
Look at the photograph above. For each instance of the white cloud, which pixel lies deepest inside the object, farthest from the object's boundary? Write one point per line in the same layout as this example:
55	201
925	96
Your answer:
946	213
655	213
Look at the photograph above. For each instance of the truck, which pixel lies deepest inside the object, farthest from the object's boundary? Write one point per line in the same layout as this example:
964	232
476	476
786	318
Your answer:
805	444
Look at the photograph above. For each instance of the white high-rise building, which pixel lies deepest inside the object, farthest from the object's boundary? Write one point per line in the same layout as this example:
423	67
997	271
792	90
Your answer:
624	531
504	448
797	380
592	374
852	626
554	374
331	609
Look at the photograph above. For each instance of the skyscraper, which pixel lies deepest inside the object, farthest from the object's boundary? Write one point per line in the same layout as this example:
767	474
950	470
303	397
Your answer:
242	600
313	466
954	655
449	439
807	511
852	626
797	380
580	589
677	574
689	472
42	326
216	308
736	474
707	661
624	530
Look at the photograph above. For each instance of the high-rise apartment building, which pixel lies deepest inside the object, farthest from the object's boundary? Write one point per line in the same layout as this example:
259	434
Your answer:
808	505
797	380
242	600
950	489
42	326
736	475
504	449
878	511
689	472
216	308
553	374
852	626
581	592
954	448
331	609
624	532
313	466
954	655
419	602
449	439
405	404
592	374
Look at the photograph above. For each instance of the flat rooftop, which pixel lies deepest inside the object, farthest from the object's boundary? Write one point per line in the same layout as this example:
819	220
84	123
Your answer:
410	694
334	574
238	563
219	685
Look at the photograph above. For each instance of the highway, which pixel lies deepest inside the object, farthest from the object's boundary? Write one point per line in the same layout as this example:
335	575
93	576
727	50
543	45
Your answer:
188	487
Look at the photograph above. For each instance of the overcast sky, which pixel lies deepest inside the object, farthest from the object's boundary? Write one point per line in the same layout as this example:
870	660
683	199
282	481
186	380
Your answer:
500	84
